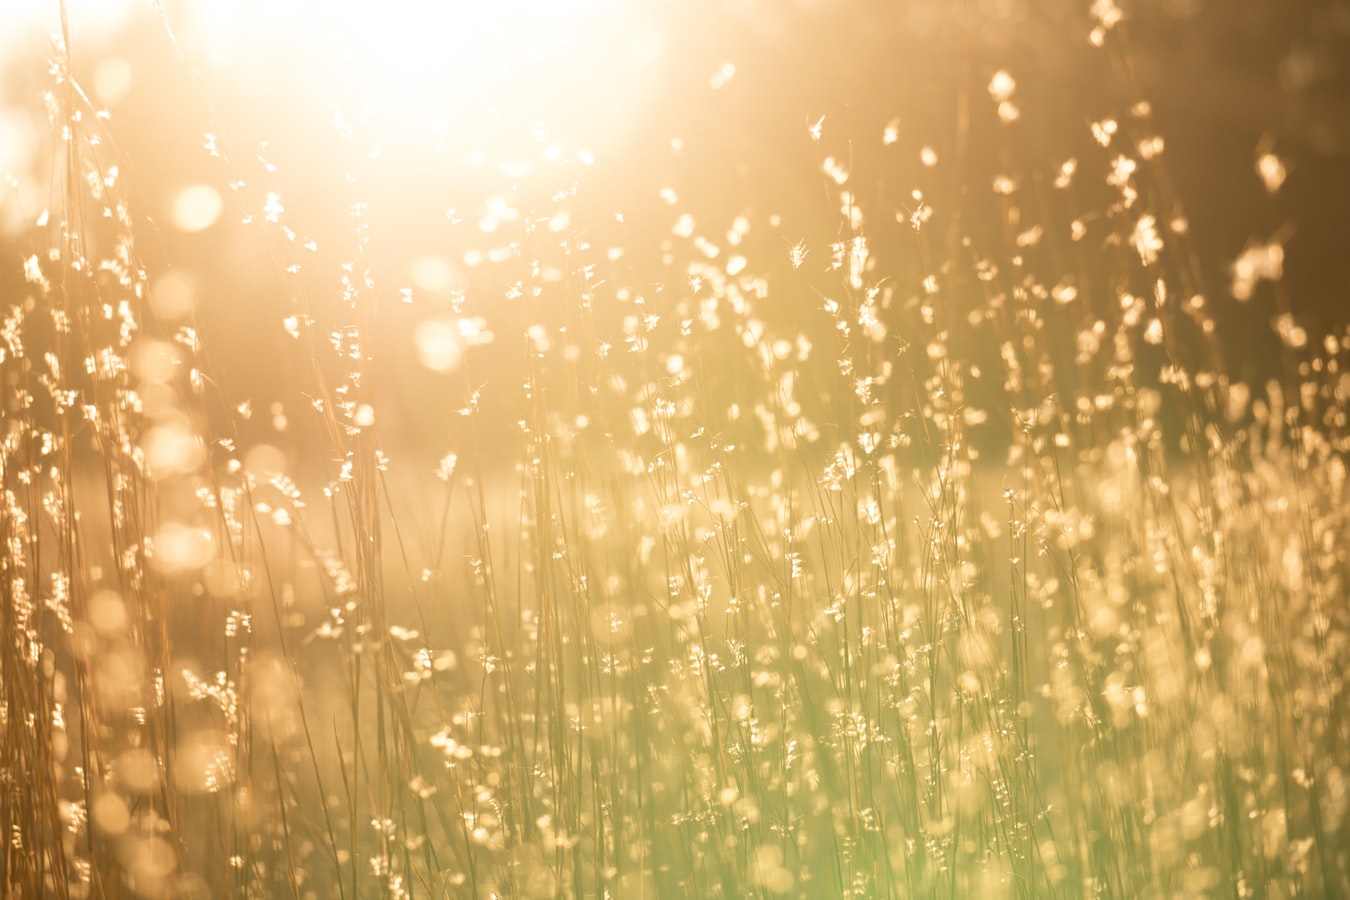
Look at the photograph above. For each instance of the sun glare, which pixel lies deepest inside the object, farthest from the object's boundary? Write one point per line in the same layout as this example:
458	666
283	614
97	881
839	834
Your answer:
413	65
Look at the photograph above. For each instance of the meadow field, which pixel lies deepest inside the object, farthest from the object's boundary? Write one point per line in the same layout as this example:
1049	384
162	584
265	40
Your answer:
903	503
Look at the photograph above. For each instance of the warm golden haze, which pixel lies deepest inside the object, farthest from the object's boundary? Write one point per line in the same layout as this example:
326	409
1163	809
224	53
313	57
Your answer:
718	449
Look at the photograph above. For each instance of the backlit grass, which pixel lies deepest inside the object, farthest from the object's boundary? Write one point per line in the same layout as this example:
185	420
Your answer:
944	558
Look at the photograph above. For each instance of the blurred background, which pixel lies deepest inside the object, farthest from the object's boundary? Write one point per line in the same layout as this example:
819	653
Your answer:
273	149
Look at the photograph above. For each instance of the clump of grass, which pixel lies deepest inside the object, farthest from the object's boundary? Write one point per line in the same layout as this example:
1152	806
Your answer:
977	575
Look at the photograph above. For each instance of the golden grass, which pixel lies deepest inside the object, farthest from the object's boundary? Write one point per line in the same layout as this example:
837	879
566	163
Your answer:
980	578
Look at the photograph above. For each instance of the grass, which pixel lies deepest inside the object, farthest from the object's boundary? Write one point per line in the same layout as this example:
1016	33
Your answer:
977	575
